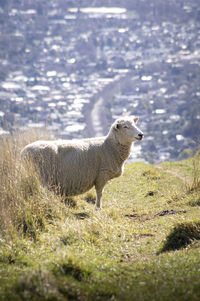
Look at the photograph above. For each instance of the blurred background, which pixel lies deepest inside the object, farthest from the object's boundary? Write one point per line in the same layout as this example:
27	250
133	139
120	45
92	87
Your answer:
75	66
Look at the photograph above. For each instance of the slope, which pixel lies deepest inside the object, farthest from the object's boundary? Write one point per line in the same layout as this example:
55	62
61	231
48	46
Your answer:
143	245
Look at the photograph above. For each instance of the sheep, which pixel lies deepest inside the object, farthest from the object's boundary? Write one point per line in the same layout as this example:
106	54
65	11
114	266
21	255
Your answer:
77	165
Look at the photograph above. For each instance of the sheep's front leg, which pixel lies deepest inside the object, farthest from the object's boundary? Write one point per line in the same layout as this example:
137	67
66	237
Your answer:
98	203
99	185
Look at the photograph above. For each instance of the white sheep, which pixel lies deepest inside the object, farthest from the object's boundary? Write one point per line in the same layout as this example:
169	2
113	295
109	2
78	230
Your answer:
78	165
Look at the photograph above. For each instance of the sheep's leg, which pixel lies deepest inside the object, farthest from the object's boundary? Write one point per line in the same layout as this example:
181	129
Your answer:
99	185
98	203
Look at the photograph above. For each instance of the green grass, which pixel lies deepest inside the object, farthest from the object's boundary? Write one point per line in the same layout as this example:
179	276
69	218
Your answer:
143	245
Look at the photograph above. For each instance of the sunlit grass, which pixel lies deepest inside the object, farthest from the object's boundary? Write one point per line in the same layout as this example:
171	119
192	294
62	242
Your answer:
143	245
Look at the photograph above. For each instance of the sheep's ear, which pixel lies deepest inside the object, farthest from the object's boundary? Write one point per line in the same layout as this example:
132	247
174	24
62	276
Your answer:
136	119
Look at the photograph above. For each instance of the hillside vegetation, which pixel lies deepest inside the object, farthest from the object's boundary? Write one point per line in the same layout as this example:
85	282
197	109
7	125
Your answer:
143	245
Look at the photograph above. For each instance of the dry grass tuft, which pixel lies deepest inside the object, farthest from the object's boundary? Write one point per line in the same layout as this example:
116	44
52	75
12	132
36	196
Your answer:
194	186
25	205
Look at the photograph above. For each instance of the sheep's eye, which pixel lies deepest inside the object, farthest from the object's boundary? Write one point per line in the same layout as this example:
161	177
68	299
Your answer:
126	127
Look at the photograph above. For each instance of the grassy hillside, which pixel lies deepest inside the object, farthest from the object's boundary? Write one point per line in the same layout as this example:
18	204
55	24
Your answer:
143	245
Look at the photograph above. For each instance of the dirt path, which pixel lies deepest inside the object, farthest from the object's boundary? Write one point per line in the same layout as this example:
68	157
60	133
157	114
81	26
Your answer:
175	173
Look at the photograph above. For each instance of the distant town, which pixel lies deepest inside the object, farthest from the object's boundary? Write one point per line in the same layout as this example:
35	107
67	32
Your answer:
73	67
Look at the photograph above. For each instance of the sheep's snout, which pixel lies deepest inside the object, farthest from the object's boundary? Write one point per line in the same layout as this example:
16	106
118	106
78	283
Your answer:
140	136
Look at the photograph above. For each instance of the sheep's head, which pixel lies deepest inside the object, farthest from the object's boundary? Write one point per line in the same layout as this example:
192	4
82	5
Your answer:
126	130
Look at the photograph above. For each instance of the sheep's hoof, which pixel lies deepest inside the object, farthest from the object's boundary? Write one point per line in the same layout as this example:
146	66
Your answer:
98	208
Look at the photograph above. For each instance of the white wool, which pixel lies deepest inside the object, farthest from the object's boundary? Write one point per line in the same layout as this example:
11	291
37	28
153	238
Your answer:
78	165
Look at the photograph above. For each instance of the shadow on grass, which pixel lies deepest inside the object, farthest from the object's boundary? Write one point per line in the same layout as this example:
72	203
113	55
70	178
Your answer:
70	202
181	236
73	269
81	215
169	212
90	198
